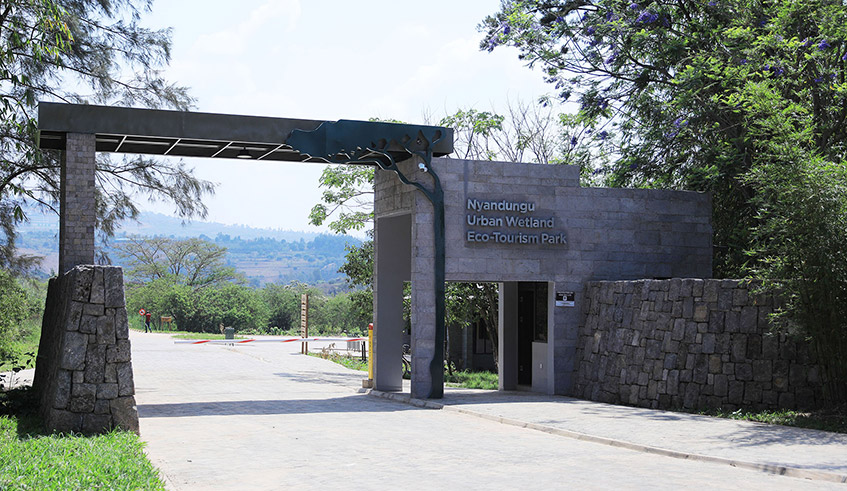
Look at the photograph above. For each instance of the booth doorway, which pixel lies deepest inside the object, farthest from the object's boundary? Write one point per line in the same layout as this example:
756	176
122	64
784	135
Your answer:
524	328
532	331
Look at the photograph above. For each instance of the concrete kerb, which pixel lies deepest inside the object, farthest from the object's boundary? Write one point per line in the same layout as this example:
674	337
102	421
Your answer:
780	470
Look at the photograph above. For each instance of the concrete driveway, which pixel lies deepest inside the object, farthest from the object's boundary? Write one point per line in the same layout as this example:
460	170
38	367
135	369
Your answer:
263	416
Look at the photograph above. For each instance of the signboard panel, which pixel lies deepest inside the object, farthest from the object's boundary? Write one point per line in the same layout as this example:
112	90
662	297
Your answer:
565	299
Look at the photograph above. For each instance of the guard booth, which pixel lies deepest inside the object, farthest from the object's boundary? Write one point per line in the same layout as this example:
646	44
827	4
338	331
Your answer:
539	235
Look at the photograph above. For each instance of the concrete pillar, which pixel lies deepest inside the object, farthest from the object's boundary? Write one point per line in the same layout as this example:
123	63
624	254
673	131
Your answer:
392	256
563	337
507	335
423	298
77	215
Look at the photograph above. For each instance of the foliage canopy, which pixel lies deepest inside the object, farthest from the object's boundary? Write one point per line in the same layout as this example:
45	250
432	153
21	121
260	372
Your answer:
82	51
746	99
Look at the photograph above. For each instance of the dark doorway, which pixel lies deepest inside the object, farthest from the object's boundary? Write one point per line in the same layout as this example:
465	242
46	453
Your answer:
532	325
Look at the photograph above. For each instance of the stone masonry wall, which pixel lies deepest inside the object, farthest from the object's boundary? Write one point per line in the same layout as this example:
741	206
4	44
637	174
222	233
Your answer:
686	343
83	372
77	213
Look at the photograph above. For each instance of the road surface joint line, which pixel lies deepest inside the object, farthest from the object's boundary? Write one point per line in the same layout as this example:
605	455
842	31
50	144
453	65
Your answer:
781	470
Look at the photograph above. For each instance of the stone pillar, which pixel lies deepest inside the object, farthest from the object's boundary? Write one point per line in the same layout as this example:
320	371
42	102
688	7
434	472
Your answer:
507	335
77	213
83	372
423	296
392	255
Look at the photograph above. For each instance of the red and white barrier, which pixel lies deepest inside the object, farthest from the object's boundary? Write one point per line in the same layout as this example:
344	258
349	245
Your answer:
264	340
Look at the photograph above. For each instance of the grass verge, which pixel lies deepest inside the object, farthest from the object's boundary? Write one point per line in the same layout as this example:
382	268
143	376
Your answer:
349	361
463	379
33	459
472	380
188	335
831	419
198	335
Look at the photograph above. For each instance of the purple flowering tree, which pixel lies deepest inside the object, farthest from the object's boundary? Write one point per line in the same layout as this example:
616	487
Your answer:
744	99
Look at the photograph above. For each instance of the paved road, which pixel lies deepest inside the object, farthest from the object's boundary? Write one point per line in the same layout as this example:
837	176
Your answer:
265	417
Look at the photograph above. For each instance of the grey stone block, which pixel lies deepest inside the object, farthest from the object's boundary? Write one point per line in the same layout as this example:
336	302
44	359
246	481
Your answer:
114	285
81	390
91	309
82	404
708	345
107	391
119	353
98	295
73	351
720	387
96	423
95	364
74	316
744	371
88	324
762	371
126	386
121	324
110	374
102	407
63	421
735	394
106	330
749	319
62	396
739	348
82	277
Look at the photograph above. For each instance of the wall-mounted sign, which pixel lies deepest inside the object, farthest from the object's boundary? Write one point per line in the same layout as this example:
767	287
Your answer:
565	299
509	222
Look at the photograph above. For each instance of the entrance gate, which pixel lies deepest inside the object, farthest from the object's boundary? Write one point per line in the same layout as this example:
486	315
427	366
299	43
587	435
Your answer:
76	393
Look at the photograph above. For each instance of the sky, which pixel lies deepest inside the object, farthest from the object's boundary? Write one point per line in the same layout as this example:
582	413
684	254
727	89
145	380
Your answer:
327	60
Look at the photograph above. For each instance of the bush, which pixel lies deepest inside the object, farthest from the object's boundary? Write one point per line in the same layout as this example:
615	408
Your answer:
203	309
15	308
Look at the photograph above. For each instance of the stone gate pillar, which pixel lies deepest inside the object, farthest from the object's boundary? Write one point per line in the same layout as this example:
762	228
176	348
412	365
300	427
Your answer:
77	213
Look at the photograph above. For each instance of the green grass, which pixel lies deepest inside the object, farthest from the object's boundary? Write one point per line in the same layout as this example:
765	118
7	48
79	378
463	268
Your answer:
349	361
832	419
463	379
198	335
187	335
472	380
32	459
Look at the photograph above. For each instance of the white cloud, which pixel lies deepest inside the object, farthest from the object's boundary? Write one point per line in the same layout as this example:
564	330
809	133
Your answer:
235	40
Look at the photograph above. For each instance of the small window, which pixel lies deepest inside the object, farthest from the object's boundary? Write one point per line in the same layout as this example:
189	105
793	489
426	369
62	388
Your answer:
482	345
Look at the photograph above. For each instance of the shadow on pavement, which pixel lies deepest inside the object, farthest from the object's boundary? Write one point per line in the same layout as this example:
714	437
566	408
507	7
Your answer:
348	404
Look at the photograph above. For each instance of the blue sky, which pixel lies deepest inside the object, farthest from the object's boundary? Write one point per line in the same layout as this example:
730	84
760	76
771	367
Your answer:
328	59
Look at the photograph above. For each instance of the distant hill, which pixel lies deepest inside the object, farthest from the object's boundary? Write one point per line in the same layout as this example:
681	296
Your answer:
262	255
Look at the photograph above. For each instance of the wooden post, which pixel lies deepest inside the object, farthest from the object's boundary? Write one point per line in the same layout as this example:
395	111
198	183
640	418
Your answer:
304	322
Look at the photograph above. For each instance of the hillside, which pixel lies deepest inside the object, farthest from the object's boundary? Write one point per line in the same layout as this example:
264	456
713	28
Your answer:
262	255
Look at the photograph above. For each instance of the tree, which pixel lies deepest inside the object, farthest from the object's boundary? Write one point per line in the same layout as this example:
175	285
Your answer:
194	262
359	268
469	303
663	79
745	99
82	51
283	302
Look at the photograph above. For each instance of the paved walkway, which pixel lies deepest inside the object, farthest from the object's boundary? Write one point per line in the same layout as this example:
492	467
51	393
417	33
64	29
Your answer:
264	417
808	454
